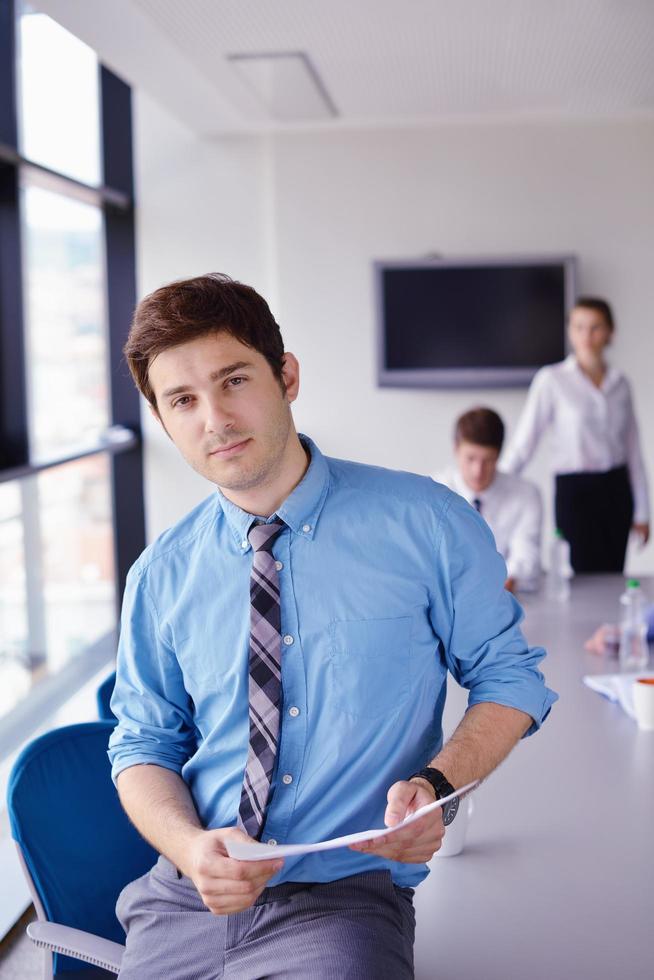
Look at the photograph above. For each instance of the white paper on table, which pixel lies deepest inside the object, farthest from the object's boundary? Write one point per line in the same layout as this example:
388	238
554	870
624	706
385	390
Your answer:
617	687
244	851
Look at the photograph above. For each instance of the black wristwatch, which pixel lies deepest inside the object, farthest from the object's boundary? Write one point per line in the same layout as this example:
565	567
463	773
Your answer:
441	788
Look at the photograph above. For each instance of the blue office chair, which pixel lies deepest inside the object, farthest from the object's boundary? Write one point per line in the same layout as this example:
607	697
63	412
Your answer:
103	697
77	848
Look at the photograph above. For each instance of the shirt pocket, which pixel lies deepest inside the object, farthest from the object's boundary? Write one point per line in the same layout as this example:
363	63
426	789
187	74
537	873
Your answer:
370	661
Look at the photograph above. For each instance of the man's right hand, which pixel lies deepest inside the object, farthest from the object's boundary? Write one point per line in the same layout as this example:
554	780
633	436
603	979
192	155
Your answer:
159	803
226	885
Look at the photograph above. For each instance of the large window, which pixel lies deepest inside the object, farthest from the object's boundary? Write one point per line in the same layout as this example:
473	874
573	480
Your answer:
66	343
71	501
59	98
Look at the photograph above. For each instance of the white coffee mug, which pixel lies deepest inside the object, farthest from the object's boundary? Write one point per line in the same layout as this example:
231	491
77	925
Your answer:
455	834
643	691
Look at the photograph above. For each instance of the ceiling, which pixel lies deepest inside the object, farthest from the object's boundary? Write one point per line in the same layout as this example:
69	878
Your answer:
383	62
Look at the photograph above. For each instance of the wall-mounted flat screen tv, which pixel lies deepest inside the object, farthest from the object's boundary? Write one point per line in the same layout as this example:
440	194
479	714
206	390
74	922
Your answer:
473	322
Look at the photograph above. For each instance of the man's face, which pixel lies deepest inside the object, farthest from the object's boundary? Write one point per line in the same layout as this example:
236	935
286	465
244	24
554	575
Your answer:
224	409
477	464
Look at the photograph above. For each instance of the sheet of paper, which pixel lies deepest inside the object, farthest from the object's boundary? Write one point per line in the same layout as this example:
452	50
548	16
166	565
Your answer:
244	851
617	687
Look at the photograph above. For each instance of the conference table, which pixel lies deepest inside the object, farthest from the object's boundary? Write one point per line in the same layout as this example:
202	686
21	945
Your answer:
557	876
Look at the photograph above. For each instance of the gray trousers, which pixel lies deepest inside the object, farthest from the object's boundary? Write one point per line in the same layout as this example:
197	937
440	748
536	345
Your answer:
360	927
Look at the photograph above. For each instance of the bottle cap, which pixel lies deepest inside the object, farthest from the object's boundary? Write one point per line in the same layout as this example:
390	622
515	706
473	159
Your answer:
633	583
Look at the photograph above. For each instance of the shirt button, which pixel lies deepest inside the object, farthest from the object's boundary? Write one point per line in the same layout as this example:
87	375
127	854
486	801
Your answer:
271	840
288	640
279	565
306	528
293	712
287	780
244	544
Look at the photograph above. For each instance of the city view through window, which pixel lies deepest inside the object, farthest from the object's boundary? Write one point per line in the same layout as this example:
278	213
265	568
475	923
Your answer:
57	575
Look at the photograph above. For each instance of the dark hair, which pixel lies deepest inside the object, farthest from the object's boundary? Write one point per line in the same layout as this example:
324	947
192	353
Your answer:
192	308
481	426
599	306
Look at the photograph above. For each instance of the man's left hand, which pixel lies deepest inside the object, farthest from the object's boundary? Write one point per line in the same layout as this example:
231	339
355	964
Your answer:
419	841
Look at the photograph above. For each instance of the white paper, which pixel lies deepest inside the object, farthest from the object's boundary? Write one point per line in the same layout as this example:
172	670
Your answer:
617	687
244	851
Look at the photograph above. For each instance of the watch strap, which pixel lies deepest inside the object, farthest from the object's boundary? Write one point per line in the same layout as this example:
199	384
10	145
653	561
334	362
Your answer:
442	788
437	780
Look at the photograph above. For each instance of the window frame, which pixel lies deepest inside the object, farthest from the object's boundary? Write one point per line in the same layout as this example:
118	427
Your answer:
122	443
115	197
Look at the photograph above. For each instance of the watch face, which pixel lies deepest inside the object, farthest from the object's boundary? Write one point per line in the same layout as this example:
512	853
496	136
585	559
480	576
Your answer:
450	810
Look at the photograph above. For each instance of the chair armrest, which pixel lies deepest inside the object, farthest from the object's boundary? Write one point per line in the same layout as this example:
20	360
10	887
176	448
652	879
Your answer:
80	945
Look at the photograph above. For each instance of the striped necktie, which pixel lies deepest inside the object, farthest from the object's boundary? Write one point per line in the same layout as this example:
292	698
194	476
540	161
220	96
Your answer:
265	678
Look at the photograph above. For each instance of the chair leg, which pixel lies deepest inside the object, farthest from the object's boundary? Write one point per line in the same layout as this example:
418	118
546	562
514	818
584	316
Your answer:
48	964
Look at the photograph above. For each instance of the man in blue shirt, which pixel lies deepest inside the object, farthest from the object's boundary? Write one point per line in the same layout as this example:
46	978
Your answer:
282	669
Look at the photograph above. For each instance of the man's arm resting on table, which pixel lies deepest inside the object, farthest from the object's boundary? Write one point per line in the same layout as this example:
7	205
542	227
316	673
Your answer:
483	738
159	804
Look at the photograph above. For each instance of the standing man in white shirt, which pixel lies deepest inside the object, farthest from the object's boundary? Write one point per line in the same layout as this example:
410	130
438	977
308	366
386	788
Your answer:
511	506
586	405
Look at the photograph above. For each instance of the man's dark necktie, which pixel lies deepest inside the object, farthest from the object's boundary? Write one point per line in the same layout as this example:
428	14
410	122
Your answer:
265	678
477	504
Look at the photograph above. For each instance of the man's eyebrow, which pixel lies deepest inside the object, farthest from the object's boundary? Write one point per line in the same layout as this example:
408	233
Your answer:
236	366
214	376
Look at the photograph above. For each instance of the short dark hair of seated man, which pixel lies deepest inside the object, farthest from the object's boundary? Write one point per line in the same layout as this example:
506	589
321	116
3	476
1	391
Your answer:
480	426
478	439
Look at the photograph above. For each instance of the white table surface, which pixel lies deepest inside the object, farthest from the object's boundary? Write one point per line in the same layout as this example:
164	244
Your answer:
557	877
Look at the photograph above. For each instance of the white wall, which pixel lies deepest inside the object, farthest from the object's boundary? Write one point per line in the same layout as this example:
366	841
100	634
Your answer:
302	217
200	208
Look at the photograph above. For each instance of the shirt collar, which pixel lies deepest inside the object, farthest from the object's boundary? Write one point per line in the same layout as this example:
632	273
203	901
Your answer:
611	377
300	510
464	490
460	485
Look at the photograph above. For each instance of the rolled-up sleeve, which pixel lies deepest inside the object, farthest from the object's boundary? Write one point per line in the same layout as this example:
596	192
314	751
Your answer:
154	711
485	649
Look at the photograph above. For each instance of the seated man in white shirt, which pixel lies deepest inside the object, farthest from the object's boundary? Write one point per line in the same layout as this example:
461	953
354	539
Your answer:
511	506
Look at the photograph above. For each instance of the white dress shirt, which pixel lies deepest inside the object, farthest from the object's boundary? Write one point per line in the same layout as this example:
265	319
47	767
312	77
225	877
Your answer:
513	509
593	429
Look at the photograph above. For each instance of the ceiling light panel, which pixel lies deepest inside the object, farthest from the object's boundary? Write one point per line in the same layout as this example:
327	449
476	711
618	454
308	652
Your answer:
287	84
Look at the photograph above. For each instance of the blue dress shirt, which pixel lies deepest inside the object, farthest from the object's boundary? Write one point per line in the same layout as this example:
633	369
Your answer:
387	581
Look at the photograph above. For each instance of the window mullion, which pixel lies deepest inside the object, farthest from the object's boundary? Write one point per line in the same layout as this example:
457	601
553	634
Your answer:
8	107
120	250
13	391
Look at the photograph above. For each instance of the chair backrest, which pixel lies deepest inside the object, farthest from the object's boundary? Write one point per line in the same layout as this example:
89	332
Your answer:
78	845
103	697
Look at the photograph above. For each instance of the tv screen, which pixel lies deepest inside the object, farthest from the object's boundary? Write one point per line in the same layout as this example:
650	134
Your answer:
471	322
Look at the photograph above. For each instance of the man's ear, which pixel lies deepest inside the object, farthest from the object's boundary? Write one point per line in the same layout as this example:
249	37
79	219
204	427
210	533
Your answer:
291	376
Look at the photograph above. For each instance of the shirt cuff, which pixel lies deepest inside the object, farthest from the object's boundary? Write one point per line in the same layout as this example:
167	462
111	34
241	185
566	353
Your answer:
142	759
536	702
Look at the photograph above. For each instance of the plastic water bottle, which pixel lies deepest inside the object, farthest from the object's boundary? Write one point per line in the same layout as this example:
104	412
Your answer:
633	652
560	571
